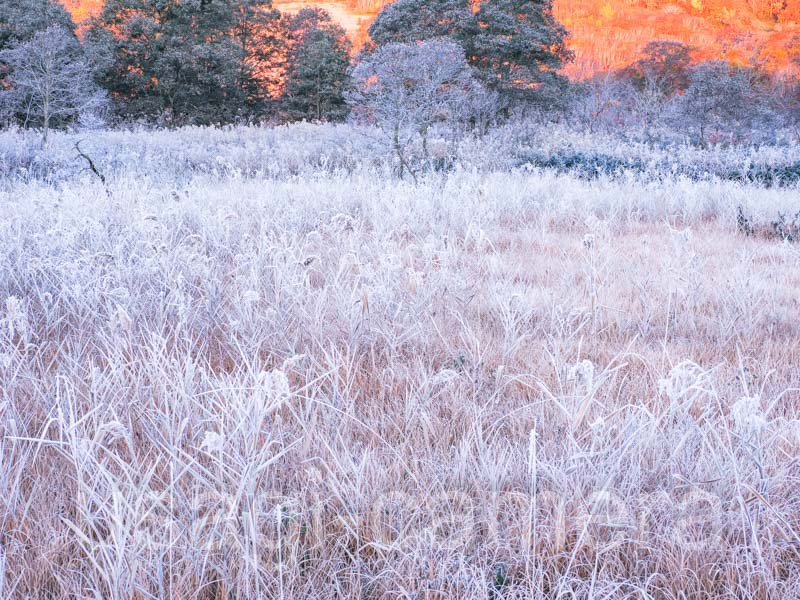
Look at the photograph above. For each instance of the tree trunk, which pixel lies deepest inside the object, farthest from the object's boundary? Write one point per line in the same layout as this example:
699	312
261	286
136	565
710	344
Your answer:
397	148
45	121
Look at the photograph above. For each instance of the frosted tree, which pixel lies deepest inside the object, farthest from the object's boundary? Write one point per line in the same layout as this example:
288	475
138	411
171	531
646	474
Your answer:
721	97
602	103
516	47
20	20
406	89
49	83
663	71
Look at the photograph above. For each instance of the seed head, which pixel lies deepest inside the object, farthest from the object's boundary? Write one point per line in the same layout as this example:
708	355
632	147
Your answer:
213	442
747	415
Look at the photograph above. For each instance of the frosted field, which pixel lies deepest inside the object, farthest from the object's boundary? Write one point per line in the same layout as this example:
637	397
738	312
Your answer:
255	365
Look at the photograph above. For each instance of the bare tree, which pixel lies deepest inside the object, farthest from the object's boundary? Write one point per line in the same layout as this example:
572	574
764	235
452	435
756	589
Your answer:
49	81
602	103
406	89
723	98
662	72
649	102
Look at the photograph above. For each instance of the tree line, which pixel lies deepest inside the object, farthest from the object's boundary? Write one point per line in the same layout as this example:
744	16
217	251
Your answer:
171	62
441	65
667	93
220	61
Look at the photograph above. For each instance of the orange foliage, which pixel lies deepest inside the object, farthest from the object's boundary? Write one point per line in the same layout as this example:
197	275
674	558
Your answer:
608	34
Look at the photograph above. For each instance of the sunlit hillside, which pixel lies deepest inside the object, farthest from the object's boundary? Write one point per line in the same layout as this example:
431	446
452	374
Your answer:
353	15
83	9
607	34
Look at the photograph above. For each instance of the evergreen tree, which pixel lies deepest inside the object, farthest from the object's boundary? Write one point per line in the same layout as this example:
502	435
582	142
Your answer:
187	61
519	51
316	75
260	33
20	20
407	21
516	46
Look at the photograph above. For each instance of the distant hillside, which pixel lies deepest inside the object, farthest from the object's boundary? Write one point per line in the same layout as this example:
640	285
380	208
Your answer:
82	9
607	34
610	33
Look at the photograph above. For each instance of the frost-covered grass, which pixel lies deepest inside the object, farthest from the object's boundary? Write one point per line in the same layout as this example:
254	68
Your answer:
309	150
318	382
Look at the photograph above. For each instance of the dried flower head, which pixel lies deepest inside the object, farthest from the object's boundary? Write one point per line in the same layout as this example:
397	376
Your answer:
747	415
213	442
276	389
583	374
681	381
121	322
111	432
16	319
